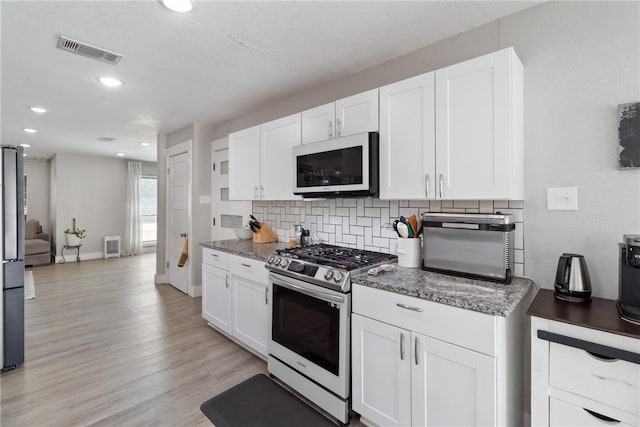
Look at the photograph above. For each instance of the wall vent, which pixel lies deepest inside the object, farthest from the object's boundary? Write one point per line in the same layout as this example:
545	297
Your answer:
106	139
86	50
111	246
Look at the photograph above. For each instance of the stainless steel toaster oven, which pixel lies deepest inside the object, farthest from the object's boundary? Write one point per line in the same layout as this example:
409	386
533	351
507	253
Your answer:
471	245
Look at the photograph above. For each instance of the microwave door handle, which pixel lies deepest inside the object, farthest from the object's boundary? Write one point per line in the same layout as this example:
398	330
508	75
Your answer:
461	225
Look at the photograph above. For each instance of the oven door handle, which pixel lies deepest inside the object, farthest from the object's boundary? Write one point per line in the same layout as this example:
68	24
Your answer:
309	292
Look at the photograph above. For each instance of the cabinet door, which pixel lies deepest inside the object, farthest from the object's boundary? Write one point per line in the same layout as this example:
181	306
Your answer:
277	138
216	297
250	313
381	377
244	164
451	385
318	124
357	113
407	139
474	128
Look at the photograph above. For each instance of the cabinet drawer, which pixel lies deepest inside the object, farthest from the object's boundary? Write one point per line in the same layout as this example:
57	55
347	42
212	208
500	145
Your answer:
610	381
567	414
248	268
215	258
469	329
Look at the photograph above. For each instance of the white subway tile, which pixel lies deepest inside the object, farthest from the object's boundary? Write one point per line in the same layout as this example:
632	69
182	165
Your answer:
335	220
447	204
472	211
323	236
393	246
486	206
348	238
500	204
316	211
368	236
353	212
393	209
325	215
360	242
403	203
332	239
368	202
373	212
377	203
518	256
339	203
466	204
346	222
323	203
516	204
360	207
356	230
380	242
518	237
389	233
342	211
376	226
452	210
372	248
435	206
328	228
518	269
418	203
349	203
364	221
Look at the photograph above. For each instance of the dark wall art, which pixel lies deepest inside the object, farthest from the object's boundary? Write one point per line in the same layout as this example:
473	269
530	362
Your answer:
629	135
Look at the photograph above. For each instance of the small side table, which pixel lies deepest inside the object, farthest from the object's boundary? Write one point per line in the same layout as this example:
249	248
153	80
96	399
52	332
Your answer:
77	248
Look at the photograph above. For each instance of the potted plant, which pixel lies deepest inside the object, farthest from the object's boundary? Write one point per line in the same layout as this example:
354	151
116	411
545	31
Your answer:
74	235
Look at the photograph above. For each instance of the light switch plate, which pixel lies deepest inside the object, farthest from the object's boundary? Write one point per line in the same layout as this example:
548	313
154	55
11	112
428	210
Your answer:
562	199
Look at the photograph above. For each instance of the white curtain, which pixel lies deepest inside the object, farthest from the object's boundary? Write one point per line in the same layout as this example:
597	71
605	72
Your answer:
133	239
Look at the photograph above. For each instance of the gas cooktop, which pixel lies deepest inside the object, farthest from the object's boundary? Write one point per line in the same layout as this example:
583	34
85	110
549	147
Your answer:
336	256
325	265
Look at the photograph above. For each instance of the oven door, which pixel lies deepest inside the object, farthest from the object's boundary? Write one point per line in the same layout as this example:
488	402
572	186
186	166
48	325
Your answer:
309	331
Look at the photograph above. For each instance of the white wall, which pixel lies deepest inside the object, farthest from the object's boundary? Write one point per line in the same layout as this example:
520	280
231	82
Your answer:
92	190
38	190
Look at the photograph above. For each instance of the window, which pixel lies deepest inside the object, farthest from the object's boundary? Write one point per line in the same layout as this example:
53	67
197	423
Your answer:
149	210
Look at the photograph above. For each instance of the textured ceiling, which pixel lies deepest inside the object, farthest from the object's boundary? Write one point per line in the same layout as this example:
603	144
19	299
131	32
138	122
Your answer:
219	61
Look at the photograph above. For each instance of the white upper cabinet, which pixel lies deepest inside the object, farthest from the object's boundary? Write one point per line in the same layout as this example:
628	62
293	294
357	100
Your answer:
244	164
277	138
260	160
479	133
407	139
471	126
347	116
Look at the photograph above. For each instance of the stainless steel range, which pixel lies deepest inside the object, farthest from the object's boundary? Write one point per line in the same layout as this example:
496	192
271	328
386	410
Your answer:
310	322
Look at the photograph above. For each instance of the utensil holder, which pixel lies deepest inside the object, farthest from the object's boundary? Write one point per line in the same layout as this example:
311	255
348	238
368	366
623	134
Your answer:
409	252
265	235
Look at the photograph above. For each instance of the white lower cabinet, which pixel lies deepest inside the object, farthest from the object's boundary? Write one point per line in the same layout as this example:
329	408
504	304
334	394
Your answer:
250	313
235	299
216	297
402	378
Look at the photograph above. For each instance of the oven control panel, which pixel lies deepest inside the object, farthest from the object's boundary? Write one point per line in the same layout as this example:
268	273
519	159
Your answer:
333	276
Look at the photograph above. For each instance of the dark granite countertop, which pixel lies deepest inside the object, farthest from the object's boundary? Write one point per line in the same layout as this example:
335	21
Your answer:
599	314
246	248
476	295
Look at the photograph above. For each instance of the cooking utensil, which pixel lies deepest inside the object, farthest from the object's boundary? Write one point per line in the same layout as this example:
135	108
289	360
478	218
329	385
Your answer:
395	226
254	223
413	221
403	230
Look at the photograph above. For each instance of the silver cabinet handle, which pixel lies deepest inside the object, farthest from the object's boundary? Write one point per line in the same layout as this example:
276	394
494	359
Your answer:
226	281
266	295
441	185
255	192
408	307
415	349
401	346
261	192
426	185
330	129
338	126
214	255
246	265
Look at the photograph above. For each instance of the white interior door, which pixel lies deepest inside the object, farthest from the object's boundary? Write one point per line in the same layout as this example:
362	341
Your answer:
178	190
226	214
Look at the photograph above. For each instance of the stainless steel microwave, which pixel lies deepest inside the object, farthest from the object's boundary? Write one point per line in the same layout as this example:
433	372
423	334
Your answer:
341	167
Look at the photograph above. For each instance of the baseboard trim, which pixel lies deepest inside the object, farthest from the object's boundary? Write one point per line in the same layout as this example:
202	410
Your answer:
195	291
160	279
84	256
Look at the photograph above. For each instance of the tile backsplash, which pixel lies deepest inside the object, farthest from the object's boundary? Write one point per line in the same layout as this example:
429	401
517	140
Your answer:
365	223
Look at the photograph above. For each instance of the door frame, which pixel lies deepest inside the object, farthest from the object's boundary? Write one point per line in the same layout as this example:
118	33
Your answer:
183	147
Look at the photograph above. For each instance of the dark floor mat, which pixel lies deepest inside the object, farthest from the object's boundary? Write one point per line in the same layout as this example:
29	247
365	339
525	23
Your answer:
261	402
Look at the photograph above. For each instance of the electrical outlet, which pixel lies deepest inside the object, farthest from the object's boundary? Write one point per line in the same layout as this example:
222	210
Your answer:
562	199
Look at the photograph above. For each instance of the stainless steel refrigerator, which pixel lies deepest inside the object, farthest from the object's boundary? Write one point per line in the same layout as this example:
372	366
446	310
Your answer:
12	256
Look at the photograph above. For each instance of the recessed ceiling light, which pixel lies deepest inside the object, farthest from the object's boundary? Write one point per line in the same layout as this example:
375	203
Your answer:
145	144
38	110
25	145
29	130
178	5
110	81
120	154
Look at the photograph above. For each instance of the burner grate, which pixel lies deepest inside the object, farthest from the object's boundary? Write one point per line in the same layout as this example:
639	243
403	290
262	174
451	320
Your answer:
336	256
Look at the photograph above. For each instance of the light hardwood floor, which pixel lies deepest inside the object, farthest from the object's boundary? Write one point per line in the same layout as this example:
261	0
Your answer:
106	347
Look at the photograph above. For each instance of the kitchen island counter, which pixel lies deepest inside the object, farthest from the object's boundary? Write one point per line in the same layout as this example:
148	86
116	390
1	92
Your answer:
245	248
477	295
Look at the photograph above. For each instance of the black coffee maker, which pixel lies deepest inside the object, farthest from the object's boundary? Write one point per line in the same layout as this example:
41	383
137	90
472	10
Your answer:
629	278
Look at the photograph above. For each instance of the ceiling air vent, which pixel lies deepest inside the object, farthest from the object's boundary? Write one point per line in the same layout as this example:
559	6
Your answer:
105	139
88	51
